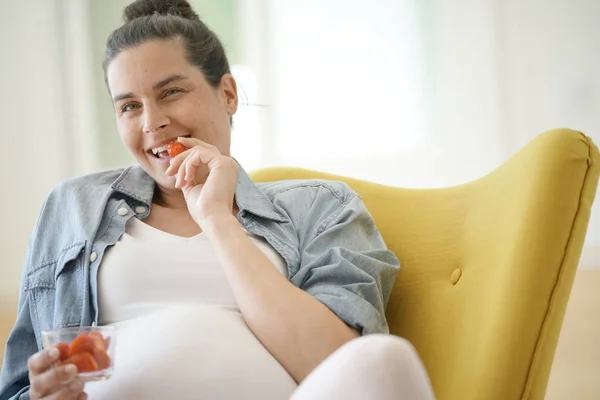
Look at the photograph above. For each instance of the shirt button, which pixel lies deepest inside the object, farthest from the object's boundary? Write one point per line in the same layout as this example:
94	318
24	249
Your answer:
140	210
123	211
93	256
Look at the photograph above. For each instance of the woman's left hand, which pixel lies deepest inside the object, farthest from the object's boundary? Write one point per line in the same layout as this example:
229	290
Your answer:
215	197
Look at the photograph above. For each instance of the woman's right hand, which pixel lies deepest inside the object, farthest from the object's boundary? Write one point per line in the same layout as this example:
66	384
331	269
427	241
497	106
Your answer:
47	382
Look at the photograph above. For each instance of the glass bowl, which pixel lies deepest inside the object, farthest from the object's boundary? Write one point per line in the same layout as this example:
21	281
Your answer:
90	348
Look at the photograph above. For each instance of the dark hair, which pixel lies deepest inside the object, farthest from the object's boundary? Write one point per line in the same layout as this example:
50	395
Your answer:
147	20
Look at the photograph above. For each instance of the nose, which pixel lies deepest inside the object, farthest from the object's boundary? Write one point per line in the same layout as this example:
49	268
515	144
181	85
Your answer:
154	119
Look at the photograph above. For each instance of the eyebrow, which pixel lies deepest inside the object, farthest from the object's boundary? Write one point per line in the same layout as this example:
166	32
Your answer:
156	86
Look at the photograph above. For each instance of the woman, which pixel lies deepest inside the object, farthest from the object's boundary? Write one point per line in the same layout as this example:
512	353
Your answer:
220	288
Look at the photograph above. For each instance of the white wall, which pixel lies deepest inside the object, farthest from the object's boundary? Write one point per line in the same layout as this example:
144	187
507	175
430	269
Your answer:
347	74
495	73
397	92
31	111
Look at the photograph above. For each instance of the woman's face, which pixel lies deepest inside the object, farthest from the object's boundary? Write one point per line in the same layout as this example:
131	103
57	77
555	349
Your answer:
159	96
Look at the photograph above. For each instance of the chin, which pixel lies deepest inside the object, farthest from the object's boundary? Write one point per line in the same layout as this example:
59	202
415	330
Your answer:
166	182
157	173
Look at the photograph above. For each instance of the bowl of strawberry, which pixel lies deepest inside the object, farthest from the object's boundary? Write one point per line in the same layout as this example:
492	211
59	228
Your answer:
91	349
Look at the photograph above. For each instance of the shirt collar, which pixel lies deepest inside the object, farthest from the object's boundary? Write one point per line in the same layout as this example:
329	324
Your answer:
137	184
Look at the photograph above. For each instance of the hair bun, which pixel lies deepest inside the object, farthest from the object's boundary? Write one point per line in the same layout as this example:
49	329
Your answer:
142	8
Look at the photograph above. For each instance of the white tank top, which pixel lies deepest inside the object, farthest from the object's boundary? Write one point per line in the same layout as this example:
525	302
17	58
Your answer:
180	331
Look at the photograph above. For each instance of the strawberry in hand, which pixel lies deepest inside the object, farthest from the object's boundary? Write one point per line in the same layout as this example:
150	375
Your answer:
175	148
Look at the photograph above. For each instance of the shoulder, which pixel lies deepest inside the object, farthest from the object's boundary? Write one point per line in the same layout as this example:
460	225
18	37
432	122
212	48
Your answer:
83	188
335	191
77	196
69	215
84	183
313	205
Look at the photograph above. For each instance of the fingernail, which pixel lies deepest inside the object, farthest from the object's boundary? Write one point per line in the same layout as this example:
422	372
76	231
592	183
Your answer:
75	386
71	369
53	353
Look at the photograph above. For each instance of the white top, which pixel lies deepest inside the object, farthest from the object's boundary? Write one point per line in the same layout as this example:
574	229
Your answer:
180	333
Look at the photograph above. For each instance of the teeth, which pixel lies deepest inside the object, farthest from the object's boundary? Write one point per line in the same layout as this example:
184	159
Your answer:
157	150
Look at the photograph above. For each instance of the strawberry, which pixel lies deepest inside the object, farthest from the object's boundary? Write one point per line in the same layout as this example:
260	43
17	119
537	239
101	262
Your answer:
82	343
63	350
99	342
175	149
84	362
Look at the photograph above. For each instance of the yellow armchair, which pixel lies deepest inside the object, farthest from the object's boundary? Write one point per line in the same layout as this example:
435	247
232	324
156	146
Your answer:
486	267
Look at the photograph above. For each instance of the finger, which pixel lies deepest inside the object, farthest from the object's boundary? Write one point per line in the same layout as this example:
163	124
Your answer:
83	396
72	391
192	163
192	142
180	175
190	170
42	360
176	161
207	152
46	383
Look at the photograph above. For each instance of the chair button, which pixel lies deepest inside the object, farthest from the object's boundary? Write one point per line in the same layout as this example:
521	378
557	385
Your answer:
123	211
455	277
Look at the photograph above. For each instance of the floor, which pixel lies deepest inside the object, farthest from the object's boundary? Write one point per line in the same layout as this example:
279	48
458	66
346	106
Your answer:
576	370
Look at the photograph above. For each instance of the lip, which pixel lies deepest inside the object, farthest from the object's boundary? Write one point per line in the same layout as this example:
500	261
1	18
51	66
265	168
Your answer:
162	161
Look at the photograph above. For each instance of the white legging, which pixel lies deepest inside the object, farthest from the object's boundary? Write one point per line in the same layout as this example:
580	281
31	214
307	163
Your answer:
377	367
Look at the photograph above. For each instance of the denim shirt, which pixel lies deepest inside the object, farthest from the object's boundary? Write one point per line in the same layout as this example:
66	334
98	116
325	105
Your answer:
321	229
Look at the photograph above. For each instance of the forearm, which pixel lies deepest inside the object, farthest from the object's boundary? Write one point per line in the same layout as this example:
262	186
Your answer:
297	329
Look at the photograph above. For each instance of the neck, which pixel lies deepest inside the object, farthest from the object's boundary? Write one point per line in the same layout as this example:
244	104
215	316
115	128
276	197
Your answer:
169	198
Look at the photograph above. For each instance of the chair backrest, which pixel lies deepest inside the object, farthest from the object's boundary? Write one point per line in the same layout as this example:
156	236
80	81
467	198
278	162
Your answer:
486	267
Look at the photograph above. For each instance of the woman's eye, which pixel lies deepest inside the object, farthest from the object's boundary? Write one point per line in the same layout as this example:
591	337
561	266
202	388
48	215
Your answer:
170	92
129	107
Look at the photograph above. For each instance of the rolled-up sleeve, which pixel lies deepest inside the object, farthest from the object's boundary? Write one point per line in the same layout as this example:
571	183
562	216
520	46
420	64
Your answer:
347	266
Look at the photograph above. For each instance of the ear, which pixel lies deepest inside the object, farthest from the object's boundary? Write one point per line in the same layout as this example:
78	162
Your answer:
229	92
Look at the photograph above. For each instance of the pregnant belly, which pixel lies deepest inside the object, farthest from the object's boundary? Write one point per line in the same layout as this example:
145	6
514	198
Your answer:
191	352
